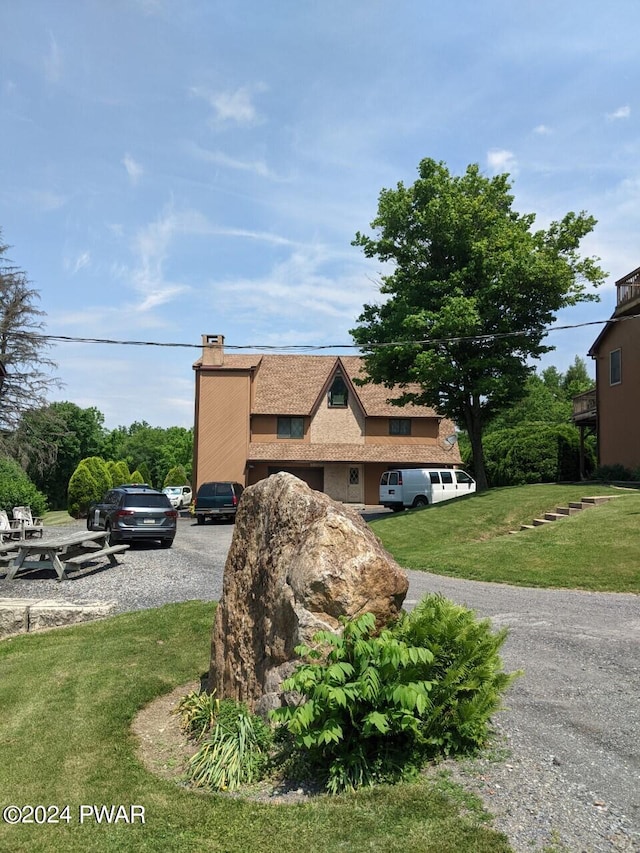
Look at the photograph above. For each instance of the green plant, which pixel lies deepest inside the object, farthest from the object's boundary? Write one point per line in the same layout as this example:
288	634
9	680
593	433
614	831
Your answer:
16	489
234	753
198	711
83	490
361	707
176	476
466	672
375	708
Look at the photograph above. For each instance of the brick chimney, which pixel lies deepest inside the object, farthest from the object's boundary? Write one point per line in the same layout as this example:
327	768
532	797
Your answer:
212	350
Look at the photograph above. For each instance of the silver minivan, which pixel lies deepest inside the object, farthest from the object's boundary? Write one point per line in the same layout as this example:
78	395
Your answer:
411	487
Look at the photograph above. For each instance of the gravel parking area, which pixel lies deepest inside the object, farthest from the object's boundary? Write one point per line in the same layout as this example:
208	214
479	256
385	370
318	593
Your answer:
567	770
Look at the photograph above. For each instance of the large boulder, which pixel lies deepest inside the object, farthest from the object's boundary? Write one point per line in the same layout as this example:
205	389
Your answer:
298	561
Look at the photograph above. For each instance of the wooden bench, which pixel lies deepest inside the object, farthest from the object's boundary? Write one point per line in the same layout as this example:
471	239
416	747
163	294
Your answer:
90	555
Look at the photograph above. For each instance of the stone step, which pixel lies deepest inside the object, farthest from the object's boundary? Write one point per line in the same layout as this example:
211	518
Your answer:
596	500
568	510
538	522
578	505
526	527
553	516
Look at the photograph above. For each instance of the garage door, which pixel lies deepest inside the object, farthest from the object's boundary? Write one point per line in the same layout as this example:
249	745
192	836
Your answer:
313	477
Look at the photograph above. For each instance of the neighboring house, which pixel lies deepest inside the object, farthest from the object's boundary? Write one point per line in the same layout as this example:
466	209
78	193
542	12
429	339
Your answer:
256	415
616	351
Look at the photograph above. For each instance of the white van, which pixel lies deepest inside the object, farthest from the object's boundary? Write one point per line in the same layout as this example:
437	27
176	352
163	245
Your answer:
405	487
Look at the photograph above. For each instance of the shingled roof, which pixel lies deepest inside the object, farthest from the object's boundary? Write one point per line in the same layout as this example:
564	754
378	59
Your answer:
292	384
414	454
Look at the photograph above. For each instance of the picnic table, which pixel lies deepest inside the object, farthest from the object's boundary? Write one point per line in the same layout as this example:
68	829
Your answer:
61	554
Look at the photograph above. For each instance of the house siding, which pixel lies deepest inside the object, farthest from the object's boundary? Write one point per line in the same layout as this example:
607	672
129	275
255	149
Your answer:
619	405
222	426
336	425
423	431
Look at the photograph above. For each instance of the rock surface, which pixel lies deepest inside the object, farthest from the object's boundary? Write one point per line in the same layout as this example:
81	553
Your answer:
298	561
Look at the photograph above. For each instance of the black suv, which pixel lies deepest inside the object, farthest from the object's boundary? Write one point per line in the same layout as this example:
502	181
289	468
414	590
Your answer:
134	513
217	500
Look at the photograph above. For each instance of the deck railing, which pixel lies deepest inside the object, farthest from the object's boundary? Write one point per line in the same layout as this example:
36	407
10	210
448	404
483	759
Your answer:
628	287
584	405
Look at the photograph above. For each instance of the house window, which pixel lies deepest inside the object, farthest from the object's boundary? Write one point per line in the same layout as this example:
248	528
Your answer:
615	367
338	393
354	476
290	427
399	426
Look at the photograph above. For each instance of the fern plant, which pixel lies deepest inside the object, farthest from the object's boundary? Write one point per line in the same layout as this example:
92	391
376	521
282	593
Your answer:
466	672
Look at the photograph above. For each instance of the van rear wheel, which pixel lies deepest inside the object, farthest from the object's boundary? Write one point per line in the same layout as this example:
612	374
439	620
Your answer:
421	501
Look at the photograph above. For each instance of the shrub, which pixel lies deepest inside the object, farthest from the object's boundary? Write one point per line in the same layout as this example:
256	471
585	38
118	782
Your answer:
466	672
136	477
16	489
83	491
176	476
375	708
119	472
235	752
100	474
614	473
534	453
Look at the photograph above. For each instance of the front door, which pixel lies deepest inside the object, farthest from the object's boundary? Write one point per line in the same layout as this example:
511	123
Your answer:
355	484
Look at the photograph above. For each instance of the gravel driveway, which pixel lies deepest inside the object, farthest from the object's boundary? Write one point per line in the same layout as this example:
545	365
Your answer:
569	739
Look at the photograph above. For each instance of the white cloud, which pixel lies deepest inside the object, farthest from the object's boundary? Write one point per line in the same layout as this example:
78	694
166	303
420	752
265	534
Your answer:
134	169
620	113
501	160
45	200
219	158
234	107
321	297
53	61
78	263
542	130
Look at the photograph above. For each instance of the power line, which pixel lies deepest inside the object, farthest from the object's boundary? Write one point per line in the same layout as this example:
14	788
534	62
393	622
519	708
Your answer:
312	347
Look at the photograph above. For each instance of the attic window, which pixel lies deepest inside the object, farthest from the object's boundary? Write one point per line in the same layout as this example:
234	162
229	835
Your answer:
338	393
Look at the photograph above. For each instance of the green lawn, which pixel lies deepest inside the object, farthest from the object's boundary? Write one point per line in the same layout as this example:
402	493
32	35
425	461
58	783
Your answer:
598	549
68	698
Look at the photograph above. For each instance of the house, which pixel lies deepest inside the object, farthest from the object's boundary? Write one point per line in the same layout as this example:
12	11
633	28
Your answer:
616	351
258	414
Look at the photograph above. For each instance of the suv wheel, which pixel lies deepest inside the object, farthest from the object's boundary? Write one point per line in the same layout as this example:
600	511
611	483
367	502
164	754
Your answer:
200	519
112	538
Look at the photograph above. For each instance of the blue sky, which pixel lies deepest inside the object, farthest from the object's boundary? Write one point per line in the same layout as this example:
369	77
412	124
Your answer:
178	167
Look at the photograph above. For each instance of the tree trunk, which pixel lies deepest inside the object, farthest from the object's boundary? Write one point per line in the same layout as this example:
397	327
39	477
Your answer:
474	429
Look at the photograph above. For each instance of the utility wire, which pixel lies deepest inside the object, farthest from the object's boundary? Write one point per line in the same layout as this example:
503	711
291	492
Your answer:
313	347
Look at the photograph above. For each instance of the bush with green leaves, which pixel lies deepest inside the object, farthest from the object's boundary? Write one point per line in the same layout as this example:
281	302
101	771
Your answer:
466	673
82	491
176	476
374	708
617	473
136	477
534	453
16	489
119	472
234	752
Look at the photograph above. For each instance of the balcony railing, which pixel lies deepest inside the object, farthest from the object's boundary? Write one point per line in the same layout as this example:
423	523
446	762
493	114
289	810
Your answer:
629	287
584	406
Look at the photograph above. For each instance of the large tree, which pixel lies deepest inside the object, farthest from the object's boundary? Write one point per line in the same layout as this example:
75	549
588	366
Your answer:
469	295
23	349
71	433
